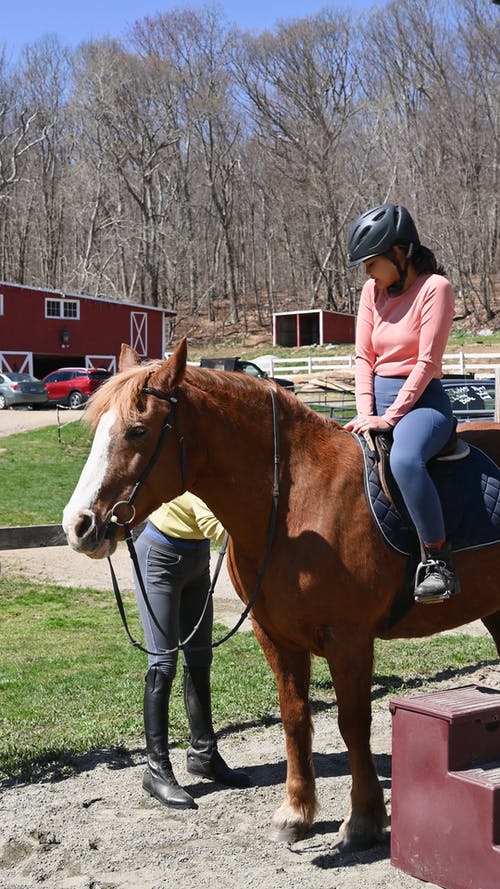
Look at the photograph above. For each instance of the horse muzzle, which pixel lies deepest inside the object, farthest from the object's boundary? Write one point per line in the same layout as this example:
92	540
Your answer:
85	535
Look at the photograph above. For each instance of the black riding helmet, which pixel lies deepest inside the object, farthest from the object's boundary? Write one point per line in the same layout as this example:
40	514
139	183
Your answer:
375	232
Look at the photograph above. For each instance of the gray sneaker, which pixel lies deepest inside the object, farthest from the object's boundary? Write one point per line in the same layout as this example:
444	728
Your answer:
435	580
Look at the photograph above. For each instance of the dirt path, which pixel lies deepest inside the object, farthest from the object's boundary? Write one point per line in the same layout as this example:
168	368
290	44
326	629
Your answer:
22	420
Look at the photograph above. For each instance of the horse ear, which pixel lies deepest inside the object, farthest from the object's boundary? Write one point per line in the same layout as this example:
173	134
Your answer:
128	358
172	372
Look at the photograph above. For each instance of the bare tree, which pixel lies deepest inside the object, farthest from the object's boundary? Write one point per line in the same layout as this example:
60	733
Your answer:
19	130
299	86
427	82
43	79
214	171
195	45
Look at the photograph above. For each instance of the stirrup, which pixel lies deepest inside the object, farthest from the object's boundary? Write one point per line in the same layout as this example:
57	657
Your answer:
424	569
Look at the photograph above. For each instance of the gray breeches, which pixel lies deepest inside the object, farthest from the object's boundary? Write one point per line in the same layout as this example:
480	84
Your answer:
177	580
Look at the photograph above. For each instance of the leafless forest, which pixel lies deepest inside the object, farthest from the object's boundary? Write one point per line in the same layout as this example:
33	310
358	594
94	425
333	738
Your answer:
214	172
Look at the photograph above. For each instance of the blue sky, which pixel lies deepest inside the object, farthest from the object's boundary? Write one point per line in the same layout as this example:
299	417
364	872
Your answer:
26	21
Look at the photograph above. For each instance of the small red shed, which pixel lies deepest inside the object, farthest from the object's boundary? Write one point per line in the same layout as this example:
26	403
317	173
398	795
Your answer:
42	330
308	327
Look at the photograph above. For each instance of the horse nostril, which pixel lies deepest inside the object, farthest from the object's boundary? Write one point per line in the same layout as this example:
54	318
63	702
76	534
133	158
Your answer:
84	525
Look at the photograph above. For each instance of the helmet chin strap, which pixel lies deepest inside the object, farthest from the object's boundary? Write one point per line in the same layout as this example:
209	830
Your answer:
396	289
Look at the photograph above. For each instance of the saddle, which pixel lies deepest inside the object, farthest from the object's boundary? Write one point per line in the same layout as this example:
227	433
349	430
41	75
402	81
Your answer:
469	490
380	443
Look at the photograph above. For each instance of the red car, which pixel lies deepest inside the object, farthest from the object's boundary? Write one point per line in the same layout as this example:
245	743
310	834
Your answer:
72	386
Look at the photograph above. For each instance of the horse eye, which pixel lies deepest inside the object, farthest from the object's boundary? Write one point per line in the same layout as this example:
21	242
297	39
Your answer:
136	432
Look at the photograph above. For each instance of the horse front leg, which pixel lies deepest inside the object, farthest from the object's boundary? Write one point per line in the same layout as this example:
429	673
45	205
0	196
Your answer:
351	668
292	671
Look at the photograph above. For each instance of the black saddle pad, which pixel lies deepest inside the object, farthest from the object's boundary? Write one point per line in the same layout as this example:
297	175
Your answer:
470	495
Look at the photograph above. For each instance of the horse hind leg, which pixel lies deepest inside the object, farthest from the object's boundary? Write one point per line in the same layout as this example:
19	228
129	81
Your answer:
292	671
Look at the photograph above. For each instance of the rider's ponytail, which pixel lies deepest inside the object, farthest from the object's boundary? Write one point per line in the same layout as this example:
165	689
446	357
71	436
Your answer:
424	262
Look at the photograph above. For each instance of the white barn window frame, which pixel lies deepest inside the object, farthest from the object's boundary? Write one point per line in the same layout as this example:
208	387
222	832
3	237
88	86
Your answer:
67	309
1	303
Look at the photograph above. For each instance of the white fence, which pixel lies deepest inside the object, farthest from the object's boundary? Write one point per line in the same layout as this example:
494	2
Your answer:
483	363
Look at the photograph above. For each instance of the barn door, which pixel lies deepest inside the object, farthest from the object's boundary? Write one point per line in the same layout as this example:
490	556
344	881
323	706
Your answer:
107	362
16	362
139	332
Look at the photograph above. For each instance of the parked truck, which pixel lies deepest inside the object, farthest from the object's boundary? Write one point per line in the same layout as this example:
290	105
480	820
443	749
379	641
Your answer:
241	365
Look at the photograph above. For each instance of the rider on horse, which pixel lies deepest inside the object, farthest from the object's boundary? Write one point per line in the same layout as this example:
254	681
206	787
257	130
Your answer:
404	321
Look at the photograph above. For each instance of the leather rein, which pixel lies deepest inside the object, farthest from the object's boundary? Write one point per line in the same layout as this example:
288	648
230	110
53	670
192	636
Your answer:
129	503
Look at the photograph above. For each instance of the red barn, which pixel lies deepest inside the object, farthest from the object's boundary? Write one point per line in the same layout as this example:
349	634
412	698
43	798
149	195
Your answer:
42	330
309	327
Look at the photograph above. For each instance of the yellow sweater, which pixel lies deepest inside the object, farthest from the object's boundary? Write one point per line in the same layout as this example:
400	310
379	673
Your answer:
187	517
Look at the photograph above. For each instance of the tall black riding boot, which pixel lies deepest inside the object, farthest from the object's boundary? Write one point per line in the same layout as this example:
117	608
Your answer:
203	758
436	580
159	780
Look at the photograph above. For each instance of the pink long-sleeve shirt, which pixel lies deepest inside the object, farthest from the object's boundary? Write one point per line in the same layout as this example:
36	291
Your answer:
402	336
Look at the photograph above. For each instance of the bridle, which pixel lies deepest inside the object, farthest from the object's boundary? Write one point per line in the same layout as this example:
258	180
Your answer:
113	519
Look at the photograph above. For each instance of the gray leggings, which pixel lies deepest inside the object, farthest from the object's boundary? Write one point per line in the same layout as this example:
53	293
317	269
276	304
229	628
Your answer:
177	579
418	436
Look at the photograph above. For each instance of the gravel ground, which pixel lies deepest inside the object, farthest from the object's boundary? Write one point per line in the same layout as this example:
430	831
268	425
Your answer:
96	829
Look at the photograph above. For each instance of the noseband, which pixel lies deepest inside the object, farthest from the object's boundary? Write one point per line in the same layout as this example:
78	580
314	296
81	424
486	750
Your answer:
114	519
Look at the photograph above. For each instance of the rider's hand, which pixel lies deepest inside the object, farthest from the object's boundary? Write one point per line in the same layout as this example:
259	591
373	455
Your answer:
362	424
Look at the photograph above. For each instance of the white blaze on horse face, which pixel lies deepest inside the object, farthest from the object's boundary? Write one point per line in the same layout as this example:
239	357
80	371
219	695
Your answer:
93	473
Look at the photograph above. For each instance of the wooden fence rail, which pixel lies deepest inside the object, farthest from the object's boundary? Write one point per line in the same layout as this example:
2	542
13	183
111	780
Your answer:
31	536
453	362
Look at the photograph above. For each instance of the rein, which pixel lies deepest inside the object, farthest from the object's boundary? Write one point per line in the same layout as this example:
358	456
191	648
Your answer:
133	555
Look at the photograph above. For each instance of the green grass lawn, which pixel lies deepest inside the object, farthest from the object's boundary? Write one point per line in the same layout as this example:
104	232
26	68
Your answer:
70	682
39	470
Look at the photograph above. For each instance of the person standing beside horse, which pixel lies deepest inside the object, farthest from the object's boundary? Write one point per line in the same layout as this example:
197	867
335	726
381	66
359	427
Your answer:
404	321
173	553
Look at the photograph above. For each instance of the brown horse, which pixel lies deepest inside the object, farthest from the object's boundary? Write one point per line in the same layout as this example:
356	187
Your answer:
330	579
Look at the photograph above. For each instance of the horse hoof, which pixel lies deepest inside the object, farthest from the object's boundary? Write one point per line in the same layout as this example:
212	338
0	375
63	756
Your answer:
288	834
355	843
358	834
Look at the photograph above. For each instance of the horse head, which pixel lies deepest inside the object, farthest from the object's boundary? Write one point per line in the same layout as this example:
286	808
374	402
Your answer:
133	417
